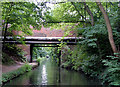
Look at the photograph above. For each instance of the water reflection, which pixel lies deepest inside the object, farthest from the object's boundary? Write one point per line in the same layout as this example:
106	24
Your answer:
48	73
44	75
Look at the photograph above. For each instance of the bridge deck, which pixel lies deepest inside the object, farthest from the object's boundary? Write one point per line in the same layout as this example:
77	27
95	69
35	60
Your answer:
43	40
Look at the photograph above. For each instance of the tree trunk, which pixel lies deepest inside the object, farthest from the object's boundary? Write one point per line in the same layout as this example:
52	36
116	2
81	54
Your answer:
5	33
6	26
90	13
110	34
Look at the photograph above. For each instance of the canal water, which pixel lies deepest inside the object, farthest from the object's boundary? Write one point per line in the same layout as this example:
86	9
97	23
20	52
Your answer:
48	73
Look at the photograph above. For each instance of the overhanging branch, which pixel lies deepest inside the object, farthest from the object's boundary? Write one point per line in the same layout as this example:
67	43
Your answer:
77	10
67	21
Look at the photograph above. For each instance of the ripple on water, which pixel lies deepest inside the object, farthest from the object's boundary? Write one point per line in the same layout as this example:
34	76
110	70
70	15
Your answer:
44	75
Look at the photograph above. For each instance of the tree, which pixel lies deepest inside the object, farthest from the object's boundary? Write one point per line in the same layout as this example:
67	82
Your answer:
110	33
89	12
20	15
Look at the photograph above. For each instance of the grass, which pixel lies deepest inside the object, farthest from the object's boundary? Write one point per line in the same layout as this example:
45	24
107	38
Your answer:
10	75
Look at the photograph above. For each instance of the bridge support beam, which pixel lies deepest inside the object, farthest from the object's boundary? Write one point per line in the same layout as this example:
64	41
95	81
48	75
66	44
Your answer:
31	53
59	66
59	58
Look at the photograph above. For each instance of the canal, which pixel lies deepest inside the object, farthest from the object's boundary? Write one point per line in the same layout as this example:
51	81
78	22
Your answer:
48	73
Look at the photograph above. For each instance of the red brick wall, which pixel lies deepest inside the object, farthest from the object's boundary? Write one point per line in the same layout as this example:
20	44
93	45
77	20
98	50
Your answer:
47	32
44	32
51	33
26	49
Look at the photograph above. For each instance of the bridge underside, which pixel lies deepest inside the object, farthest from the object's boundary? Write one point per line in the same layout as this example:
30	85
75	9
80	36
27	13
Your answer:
43	41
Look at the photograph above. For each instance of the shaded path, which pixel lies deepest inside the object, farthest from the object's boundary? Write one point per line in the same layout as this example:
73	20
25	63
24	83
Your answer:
9	68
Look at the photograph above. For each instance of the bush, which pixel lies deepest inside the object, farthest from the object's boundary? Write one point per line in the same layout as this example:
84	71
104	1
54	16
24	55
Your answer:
12	52
92	65
6	59
112	72
67	65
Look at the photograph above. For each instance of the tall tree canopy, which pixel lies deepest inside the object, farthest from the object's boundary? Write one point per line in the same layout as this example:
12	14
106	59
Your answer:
73	15
20	15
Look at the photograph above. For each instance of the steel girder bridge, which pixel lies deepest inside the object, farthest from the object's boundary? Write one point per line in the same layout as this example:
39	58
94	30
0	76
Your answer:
42	41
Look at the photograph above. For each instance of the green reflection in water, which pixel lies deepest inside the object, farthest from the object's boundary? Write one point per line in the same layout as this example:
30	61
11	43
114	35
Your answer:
48	73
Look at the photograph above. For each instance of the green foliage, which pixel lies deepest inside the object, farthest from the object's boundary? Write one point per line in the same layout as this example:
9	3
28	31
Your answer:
6	59
90	55
92	65
94	46
20	16
12	52
39	52
66	64
66	55
40	60
112	72
53	53
64	12
90	34
10	75
80	59
80	55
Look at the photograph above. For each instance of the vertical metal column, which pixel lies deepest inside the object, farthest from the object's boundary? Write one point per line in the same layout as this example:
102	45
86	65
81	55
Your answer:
59	67
31	52
59	58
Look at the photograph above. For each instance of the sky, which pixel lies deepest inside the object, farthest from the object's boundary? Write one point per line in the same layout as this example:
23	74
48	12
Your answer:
48	4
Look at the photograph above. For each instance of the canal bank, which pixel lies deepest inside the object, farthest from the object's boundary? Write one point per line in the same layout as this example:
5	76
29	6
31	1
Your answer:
48	73
14	71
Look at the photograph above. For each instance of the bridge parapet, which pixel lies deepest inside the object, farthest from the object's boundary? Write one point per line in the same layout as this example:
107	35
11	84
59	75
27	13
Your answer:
47	32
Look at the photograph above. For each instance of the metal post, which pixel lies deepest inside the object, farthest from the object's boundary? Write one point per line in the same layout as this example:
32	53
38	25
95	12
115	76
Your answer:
59	67
59	80
59	58
31	52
